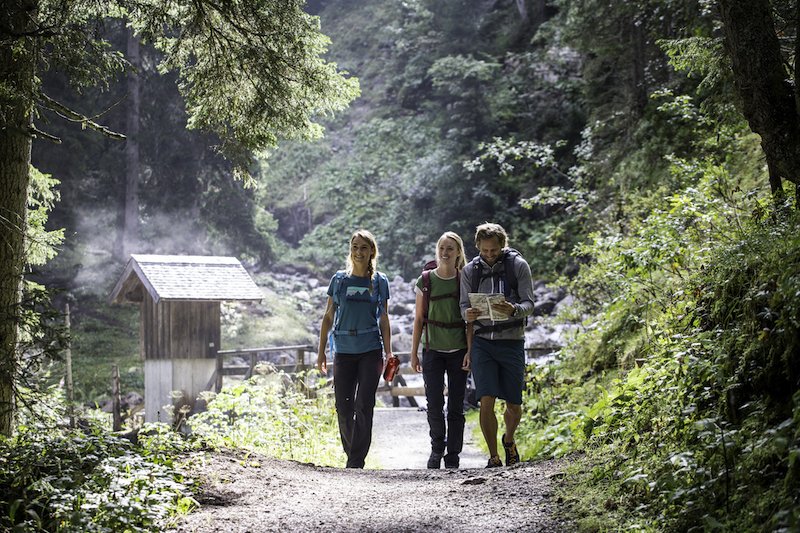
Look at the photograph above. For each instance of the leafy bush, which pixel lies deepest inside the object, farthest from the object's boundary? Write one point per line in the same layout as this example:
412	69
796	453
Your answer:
78	480
276	415
90	480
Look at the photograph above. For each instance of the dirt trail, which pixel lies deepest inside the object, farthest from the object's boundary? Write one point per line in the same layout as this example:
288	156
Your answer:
400	440
256	494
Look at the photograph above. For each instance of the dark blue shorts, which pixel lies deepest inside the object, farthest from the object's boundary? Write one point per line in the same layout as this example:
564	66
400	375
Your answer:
499	369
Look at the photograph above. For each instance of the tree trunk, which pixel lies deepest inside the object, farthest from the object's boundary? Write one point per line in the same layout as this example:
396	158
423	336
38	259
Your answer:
761	81
132	162
522	7
531	13
796	72
639	88
17	68
537	12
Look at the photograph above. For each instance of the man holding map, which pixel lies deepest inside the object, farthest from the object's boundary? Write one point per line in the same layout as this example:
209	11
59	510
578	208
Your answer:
496	296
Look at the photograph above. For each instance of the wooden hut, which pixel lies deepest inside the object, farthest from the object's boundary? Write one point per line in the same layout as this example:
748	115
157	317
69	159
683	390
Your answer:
179	331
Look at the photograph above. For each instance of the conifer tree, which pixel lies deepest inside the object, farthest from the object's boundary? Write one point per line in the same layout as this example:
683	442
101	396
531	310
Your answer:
249	70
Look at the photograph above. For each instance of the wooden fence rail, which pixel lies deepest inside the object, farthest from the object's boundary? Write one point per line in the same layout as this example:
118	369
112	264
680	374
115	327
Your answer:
398	388
301	362
252	356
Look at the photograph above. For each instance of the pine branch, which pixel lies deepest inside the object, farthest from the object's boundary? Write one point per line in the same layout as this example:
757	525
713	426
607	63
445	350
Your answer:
36	132
73	116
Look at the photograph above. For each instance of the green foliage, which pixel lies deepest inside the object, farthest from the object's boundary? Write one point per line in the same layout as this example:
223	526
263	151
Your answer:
38	333
711	418
683	388
85	61
276	415
561	197
460	83
750	303
42	197
41	334
700	56
435	84
53	480
234	221
624	64
250	71
390	173
42	337
262	103
282	319
554	404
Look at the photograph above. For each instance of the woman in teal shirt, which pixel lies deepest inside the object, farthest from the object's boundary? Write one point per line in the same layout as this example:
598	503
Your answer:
356	316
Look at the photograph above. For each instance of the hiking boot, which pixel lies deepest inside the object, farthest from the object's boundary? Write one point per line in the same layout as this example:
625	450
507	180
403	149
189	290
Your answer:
494	462
435	460
512	456
451	460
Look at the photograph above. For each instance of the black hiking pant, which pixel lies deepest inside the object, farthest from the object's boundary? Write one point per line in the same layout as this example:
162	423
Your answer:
355	381
435	365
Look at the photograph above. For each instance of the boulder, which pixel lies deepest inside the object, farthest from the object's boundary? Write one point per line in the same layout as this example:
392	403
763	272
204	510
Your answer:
544	308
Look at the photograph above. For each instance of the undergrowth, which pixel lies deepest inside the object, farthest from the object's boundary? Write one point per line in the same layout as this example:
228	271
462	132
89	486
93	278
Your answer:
680	400
88	480
274	414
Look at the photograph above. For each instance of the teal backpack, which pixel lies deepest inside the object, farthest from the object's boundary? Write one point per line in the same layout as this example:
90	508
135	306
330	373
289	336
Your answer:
339	286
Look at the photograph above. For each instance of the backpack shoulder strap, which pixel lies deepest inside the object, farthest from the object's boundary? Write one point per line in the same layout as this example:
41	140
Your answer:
426	302
338	289
381	283
338	286
475	265
512	254
426	292
509	270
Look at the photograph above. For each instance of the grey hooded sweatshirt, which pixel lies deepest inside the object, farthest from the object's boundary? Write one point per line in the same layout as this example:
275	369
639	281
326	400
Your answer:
522	298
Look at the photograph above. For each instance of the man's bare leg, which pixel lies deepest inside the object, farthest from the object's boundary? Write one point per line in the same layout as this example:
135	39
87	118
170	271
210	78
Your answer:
512	417
489	424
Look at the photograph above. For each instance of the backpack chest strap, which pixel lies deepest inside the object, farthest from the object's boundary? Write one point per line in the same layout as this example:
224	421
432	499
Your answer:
501	326
355	332
447	325
443	296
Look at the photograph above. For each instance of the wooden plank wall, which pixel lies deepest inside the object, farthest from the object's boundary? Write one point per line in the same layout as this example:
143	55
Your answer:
180	329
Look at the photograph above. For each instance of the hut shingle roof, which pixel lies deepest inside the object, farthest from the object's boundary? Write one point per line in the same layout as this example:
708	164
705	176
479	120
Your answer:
185	277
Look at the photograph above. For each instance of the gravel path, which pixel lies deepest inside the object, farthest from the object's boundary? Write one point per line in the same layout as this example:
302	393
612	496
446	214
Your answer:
247	493
400	440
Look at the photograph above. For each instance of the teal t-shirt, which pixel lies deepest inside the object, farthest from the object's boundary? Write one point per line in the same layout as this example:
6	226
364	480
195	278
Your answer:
356	327
444	310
